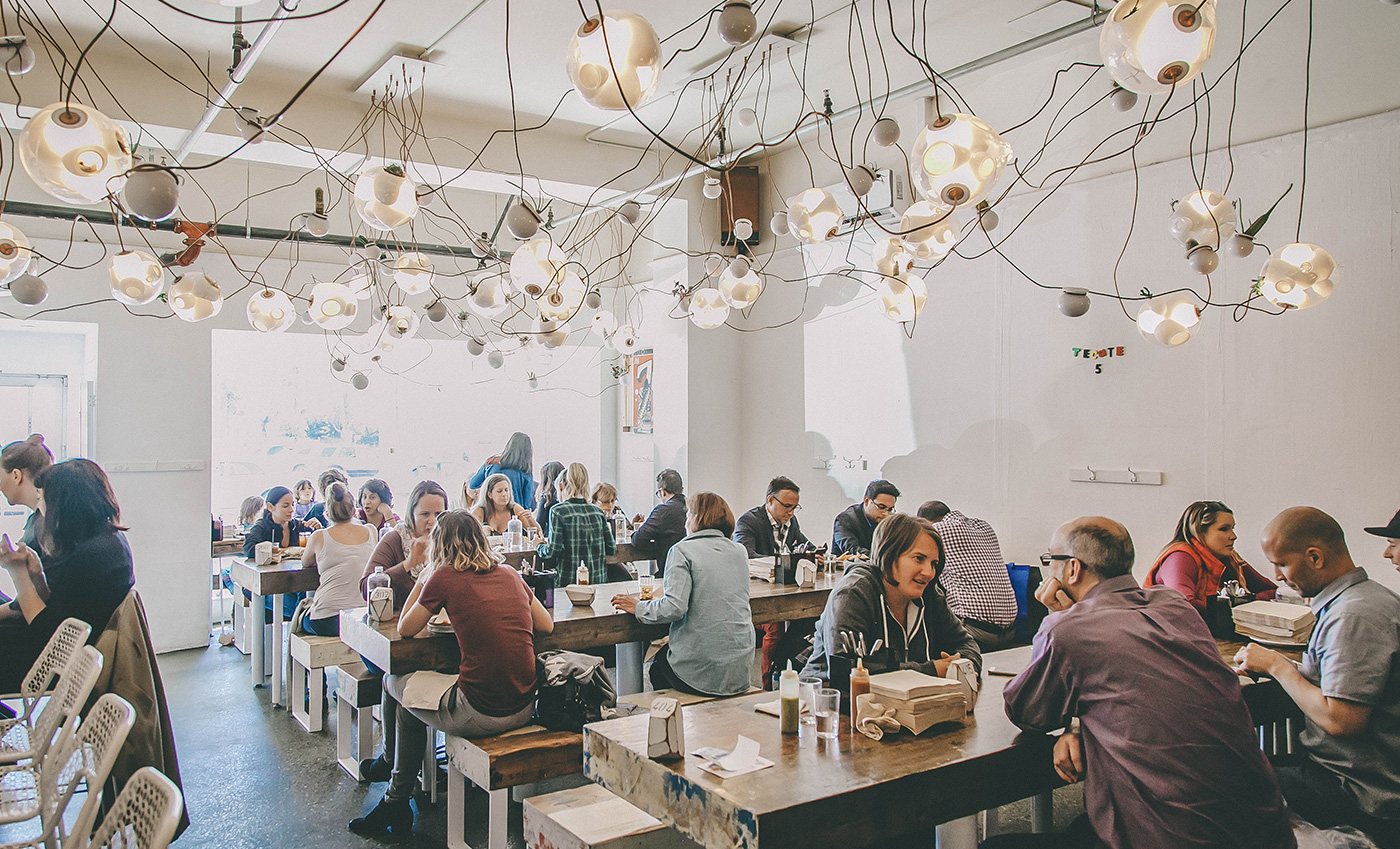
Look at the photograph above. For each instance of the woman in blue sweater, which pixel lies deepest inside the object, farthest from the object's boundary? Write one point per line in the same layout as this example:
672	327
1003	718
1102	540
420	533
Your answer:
517	462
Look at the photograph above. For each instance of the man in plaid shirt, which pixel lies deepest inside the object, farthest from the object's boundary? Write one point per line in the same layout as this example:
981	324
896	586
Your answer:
974	576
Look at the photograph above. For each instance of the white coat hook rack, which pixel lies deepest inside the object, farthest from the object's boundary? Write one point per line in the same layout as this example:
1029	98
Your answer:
1088	474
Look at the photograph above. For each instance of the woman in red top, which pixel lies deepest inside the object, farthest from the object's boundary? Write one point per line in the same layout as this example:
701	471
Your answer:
1202	556
495	618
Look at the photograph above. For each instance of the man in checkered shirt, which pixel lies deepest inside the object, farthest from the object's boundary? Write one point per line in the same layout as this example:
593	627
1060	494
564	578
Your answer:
974	576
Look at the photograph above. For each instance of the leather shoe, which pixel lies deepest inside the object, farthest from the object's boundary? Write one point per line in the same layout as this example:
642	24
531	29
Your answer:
376	769
391	816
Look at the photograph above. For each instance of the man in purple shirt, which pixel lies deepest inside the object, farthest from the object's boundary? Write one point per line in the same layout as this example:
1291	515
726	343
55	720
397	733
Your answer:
1165	744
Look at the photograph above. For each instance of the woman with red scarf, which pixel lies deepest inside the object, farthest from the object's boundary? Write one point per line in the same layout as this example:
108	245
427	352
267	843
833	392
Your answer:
1202	556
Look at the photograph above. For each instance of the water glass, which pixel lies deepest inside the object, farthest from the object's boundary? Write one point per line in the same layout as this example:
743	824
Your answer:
828	713
807	687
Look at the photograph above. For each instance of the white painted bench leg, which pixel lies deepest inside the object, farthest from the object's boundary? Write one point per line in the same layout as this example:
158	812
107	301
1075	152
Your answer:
456	807
241	636
499	809
630	658
278	654
345	739
316	685
958	834
299	713
1042	813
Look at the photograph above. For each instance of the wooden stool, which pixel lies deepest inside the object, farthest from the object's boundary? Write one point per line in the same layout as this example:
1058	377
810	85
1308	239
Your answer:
357	692
496	764
310	656
590	817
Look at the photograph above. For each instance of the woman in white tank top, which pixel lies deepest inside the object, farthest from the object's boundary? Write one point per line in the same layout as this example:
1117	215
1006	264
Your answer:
339	553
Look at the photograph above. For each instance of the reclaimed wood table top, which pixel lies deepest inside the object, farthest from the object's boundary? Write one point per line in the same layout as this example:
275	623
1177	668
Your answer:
852	791
288	576
514	559
226	547
575	626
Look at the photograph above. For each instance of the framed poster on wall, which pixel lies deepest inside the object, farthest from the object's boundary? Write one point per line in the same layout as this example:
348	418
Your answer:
641	391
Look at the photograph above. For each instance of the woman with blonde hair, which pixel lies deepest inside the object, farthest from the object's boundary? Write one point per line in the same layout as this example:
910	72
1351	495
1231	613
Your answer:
496	506
578	532
495	618
1201	556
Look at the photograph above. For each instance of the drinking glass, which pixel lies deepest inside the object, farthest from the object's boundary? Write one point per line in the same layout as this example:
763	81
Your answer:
649	589
828	713
807	687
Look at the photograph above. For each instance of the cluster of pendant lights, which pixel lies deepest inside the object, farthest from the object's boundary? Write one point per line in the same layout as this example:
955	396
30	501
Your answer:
614	60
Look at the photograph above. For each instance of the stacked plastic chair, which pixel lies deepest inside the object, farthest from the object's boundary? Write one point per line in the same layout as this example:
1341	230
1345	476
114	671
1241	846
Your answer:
25	739
72	634
82	757
144	816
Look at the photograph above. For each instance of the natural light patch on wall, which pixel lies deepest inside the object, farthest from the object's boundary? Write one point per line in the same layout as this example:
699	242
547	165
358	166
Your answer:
280	414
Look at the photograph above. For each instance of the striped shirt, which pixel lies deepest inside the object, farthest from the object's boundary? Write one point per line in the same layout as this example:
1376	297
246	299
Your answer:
578	531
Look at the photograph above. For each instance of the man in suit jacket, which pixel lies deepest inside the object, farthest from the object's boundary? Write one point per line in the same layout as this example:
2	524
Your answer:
855	526
666	525
762	532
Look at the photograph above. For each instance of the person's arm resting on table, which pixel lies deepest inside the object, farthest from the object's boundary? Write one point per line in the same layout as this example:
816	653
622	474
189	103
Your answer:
1336	716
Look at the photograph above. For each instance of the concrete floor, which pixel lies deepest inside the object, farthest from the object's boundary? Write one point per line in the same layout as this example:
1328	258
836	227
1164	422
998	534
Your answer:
254	779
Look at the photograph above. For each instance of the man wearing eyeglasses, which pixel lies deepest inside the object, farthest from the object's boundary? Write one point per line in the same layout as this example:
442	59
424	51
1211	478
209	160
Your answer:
768	529
855	526
1164	742
666	525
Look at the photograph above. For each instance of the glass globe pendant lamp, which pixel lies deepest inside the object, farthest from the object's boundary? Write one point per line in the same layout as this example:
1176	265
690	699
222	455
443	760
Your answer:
708	309
1149	46
740	291
631	49
1169	320
137	277
195	297
74	152
1298	276
1203	218
15	254
271	311
814	216
333	305
958	159
385	198
928	231
413	273
902	297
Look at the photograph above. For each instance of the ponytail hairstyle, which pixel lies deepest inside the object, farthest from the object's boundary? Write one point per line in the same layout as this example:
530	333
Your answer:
29	456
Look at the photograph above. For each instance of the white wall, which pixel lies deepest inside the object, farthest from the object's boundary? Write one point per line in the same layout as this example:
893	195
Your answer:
986	408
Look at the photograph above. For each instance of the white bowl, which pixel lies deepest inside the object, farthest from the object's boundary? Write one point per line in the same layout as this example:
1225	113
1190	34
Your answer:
580	594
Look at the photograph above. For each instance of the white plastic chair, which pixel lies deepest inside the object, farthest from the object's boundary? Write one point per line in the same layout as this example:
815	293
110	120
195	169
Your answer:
145	815
72	634
83	755
24	740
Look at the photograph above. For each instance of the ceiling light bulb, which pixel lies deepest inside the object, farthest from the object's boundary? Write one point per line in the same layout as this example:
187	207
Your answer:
29	289
151	193
986	216
562	300
195	297
1151	45
604	323
522	221
333	305
495	359
593	299
1168	320
814	216
739	266
1240	245
737	24
271	311
625	340
250	124
1203	217
708	309
743	229
778	223
902	298
1073	302
885	133
1202	259
630	211
489	297
746	117
315	223
360	380
17	55
740	290
413	273
74	152
437	312
958	159
536	265
337	364
475	346
137	277
385	198
401	321
15	253
631	48
891	256
1122	99
928	231
1298	276
861	180
712	189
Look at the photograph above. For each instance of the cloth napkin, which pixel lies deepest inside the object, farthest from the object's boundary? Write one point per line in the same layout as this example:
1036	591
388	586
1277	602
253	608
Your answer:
873	719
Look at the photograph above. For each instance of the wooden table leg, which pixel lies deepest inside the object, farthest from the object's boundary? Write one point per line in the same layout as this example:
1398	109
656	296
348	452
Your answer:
277	659
254	619
630	657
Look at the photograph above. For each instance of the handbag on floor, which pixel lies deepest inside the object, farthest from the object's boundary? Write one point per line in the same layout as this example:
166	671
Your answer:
573	689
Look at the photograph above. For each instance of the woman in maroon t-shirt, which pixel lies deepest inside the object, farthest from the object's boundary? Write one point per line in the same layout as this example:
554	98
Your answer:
495	617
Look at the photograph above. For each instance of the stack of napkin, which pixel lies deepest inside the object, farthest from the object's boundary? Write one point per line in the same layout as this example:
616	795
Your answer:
1274	621
761	568
919	701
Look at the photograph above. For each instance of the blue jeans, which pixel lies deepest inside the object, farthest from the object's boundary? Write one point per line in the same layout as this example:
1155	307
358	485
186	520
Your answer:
328	627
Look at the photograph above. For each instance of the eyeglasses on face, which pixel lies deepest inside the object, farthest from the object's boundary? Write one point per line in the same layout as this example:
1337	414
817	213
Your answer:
883	508
1047	558
793	507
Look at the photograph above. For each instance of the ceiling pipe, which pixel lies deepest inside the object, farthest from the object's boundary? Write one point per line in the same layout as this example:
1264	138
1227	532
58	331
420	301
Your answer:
920	87
236	77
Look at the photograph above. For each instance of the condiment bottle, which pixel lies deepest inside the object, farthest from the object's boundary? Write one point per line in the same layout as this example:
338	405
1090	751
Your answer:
791	708
515	533
581	577
860	681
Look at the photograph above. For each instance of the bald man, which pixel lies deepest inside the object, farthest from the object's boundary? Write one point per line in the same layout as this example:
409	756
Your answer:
1348	685
1160	770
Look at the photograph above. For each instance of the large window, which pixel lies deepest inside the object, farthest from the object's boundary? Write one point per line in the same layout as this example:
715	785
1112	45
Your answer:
280	414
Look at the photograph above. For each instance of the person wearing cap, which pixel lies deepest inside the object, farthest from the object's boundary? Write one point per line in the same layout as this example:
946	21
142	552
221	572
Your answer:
1391	533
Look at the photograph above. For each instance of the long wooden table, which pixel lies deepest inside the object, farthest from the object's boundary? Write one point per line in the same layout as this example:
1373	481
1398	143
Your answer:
226	547
275	580
575	627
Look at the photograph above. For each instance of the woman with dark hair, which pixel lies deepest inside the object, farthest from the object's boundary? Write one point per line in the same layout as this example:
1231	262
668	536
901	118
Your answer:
338	554
548	495
496	506
706	604
279	526
895	598
82	568
495	617
1201	556
517	462
376	505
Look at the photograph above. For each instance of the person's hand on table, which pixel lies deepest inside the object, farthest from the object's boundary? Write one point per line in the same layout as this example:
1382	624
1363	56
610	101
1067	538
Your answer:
625	603
1256	659
1053	596
313	524
944	662
1068	757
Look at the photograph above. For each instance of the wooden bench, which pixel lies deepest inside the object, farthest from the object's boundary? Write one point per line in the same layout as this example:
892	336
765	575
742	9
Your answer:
357	693
496	764
310	656
590	817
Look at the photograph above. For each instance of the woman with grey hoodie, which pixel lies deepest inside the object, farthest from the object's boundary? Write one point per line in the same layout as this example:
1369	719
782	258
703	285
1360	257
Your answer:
895	599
